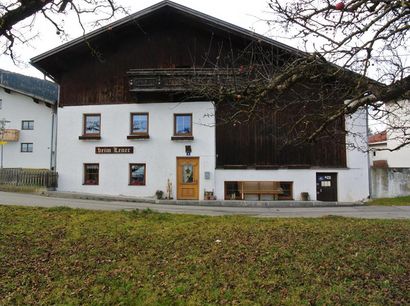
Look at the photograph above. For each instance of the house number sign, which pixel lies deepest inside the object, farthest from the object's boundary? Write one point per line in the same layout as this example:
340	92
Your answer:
114	150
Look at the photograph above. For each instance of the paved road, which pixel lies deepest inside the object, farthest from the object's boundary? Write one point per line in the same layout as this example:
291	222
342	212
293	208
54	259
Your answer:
376	212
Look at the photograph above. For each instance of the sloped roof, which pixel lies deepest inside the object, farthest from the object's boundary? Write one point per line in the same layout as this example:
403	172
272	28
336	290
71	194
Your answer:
380	137
218	23
36	88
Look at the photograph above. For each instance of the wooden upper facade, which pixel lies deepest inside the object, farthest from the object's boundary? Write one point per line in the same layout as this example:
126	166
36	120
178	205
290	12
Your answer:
154	55
98	69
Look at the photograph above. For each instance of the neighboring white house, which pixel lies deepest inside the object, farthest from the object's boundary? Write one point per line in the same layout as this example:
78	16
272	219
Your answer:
124	130
28	113
390	173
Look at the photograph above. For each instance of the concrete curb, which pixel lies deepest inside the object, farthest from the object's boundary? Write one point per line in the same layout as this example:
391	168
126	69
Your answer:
258	204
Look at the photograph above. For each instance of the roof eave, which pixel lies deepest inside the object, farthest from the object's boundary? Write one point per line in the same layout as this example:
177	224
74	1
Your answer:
42	99
215	21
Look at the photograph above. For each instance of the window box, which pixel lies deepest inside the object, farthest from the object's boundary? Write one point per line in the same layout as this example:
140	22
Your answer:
89	137
182	138
138	137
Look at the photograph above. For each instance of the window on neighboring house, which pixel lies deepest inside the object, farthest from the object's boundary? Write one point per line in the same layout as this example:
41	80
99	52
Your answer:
137	174
27	125
27	147
139	123
92	125
182	124
91	174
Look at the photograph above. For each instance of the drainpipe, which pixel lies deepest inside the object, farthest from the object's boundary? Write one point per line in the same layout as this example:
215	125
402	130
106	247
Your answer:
54	139
369	172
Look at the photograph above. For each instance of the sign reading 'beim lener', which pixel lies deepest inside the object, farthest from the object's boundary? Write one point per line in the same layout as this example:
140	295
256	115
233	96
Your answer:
114	150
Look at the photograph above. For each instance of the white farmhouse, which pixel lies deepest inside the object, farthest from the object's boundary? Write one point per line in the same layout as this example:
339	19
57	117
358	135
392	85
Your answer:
129	125
27	121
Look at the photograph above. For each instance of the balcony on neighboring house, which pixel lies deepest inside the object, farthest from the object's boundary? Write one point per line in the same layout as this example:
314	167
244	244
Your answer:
184	79
9	135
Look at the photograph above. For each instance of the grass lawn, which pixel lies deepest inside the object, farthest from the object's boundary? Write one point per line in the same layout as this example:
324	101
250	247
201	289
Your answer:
400	201
65	256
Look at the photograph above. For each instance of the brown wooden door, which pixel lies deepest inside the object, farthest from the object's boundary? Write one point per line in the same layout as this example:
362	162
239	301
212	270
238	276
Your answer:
326	187
188	178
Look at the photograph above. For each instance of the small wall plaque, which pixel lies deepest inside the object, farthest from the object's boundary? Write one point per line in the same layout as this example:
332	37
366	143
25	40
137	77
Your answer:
207	175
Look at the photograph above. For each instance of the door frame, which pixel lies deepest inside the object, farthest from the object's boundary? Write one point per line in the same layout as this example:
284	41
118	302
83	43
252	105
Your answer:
334	182
177	175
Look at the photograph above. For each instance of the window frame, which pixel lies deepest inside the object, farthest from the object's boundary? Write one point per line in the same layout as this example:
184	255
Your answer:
85	125
26	144
84	174
132	124
23	128
130	175
175	125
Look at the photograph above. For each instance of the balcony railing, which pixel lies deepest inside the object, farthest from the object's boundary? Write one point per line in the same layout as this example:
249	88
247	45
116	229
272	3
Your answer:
183	79
9	135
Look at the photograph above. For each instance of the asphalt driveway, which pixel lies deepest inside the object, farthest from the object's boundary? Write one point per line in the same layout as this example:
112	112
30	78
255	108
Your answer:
370	212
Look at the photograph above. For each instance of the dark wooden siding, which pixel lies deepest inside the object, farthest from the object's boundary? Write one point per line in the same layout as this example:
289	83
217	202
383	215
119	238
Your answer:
256	144
270	137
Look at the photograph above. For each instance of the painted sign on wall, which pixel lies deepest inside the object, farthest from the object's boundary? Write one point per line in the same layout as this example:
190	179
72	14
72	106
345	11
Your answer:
114	150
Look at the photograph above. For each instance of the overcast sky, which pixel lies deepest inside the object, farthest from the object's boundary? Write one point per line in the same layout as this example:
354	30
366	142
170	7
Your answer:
244	13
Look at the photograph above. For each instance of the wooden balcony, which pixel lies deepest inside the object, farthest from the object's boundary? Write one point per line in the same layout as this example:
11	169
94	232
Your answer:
183	79
10	135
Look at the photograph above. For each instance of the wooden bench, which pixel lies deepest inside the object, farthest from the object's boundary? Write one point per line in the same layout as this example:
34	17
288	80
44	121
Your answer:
260	188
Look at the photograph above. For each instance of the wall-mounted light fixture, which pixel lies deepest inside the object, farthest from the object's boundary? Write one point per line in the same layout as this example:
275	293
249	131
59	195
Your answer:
188	150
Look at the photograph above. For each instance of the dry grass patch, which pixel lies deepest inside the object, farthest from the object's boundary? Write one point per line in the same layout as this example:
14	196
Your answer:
65	256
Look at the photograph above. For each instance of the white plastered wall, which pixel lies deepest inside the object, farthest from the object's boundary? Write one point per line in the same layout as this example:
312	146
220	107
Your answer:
159	152
399	158
16	107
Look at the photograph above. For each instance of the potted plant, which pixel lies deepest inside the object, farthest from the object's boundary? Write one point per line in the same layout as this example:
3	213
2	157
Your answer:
159	194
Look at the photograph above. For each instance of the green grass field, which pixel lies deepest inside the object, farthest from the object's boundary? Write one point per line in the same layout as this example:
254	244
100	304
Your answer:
64	256
400	201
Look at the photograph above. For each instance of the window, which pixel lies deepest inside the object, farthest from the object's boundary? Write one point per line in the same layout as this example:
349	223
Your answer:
287	191
27	147
92	125
139	124
188	173
27	125
137	174
91	174
183	124
259	190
